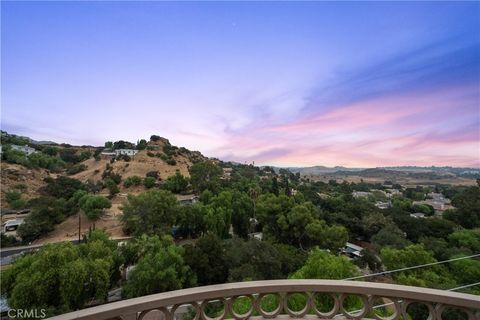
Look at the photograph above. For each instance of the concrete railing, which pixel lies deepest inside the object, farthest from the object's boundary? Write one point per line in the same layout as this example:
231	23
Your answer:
283	299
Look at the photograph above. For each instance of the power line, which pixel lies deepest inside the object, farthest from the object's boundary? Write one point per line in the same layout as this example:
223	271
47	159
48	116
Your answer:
465	286
412	267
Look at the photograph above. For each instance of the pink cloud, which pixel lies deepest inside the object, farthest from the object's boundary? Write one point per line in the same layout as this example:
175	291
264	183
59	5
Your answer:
426	129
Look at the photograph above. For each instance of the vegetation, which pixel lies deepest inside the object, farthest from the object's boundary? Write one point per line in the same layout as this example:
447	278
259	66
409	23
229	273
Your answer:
303	226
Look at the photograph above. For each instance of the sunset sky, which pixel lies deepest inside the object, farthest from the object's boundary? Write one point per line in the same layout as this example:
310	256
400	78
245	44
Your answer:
287	83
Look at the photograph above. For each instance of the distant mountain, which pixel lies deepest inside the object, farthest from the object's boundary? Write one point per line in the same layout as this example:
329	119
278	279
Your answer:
381	171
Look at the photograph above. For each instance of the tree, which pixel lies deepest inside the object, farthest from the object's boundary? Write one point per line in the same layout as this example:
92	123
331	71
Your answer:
218	217
60	277
176	183
467	213
149	182
332	238
241	213
161	269
46	212
252	260
62	187
14	199
142	144
50	150
323	265
94	206
132	181
466	239
435	276
207	259
205	175
191	220
151	212
390	236
112	187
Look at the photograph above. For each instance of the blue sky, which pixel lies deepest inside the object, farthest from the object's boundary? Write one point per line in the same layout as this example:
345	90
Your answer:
283	83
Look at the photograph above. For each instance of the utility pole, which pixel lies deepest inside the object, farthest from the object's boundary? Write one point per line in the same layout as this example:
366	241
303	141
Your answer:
79	225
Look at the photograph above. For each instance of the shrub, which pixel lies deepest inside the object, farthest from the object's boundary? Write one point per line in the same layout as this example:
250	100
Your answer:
111	186
171	162
149	182
153	174
154	138
132	181
150	154
76	168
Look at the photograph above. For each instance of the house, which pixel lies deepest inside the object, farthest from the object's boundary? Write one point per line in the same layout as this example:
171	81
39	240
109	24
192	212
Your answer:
417	215
382	204
227	173
352	250
25	149
360	194
127	152
187	199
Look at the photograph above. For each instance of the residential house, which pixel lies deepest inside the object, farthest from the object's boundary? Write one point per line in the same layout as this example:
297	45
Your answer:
25	149
187	199
352	250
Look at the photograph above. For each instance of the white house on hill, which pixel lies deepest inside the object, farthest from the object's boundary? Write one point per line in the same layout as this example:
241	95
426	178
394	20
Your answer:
25	149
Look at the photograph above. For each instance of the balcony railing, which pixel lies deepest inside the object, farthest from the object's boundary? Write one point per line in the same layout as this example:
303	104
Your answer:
318	299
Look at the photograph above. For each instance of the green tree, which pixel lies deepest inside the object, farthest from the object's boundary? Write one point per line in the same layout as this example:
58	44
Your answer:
323	265
132	181
60	277
151	212
14	199
332	238
467	212
161	269
94	206
176	183
191	220
466	239
50	150
149	182
205	175
142	144
241	213
390	236
207	259
111	186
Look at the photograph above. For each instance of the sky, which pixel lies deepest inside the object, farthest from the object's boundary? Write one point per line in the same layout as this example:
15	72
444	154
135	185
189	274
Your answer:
357	84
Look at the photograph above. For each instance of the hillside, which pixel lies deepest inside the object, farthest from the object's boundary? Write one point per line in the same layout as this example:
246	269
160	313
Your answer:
158	155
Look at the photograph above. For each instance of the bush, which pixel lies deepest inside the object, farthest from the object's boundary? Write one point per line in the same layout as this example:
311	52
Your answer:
171	162
132	181
150	154
153	174
155	138
149	182
112	187
76	168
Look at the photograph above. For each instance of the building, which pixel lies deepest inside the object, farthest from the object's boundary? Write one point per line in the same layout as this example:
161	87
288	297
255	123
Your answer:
127	152
361	194
187	199
25	149
352	250
417	215
382	204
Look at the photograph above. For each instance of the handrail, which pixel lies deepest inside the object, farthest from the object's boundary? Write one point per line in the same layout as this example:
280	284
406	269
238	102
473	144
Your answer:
132	308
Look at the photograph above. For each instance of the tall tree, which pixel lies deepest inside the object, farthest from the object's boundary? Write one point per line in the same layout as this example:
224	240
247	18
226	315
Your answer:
151	212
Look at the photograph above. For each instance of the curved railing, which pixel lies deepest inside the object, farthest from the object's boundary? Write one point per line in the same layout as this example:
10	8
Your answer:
273	299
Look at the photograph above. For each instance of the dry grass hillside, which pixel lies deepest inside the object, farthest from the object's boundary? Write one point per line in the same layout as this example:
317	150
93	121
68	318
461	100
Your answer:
159	156
27	181
143	162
